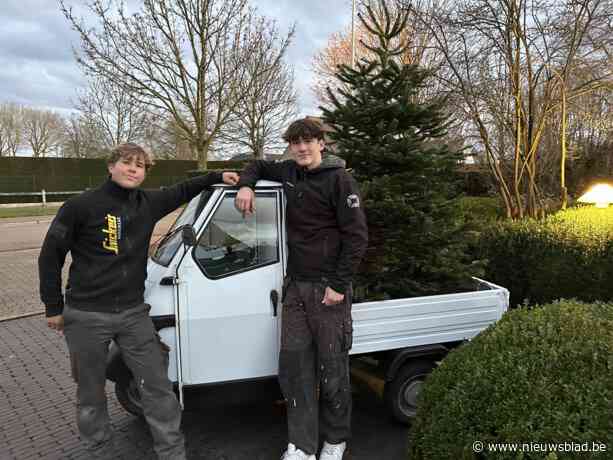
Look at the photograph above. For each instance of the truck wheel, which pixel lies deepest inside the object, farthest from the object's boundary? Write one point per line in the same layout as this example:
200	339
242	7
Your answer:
128	396
401	393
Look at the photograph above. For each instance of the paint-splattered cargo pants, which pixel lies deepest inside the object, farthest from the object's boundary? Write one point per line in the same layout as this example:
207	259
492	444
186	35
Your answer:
88	335
314	365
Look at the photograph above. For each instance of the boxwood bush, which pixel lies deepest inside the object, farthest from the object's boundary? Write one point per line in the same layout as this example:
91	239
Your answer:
539	375
567	255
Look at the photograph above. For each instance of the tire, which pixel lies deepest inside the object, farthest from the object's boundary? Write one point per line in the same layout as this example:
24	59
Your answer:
128	396
401	393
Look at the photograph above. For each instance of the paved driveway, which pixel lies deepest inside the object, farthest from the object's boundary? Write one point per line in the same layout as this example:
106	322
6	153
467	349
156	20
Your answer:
37	399
230	423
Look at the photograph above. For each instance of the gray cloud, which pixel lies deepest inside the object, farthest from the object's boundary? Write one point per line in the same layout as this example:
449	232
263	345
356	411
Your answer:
37	66
315	21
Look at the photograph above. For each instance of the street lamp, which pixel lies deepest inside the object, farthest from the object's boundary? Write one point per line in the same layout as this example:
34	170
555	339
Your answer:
599	194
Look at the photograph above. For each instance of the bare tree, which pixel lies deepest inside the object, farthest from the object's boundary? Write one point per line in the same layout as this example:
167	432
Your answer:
166	140
11	136
416	39
82	138
337	52
117	115
258	121
42	131
113	115
185	58
510	61
589	138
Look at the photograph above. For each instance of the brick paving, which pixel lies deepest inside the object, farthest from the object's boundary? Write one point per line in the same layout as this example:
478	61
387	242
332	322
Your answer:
37	412
19	286
37	409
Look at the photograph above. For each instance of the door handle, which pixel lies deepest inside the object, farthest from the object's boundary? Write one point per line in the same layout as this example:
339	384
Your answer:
274	299
168	281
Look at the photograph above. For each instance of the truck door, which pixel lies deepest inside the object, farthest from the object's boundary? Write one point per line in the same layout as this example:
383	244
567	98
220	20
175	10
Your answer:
229	294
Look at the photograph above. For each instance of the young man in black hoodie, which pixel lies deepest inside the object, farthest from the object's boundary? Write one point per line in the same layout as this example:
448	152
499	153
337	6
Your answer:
327	236
107	231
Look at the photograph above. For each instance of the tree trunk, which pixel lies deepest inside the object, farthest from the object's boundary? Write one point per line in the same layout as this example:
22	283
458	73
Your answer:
202	153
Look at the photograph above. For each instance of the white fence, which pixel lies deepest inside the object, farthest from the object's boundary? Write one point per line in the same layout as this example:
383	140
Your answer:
46	197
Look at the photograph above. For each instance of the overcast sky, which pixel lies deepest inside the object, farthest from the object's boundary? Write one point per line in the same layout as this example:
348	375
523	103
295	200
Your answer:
37	65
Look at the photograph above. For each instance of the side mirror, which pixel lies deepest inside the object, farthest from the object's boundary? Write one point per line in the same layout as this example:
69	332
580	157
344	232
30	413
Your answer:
188	235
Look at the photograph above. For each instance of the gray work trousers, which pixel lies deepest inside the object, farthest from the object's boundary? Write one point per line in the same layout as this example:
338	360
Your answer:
314	365
88	335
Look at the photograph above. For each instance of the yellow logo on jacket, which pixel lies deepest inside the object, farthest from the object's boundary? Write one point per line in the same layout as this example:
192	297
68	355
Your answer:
112	231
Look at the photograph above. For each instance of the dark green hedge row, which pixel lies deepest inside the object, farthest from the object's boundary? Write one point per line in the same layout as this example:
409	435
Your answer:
542	375
226	165
25	175
42	167
568	255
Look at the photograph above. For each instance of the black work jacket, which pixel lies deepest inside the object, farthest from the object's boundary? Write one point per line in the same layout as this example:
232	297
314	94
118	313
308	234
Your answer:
326	226
107	231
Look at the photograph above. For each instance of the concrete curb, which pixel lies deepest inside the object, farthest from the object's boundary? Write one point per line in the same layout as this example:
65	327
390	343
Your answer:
33	248
21	316
24	222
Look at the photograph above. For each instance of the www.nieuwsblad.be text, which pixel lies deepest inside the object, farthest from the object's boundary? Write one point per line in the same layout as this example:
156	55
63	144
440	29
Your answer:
545	447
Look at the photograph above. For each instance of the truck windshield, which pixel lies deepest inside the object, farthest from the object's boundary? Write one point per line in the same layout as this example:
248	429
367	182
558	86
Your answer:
169	244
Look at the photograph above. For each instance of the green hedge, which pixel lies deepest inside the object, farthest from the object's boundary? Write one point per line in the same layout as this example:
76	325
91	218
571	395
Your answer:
228	165
539	375
481	210
25	175
47	170
567	255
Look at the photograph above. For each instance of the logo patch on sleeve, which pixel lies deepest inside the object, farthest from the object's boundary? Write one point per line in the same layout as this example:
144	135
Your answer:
353	201
58	230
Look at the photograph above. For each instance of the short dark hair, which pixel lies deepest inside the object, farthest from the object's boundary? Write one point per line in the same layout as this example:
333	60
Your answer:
305	129
128	150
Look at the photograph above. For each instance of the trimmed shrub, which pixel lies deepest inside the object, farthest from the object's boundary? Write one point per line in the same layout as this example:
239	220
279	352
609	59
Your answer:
539	376
481	209
567	255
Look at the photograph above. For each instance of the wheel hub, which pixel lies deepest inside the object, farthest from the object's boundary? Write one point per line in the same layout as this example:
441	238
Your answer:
410	394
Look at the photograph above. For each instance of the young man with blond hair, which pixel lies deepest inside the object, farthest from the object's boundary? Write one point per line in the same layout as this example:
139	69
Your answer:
327	236
107	231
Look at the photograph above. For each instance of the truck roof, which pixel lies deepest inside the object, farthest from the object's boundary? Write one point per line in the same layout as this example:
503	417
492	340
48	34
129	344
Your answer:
261	183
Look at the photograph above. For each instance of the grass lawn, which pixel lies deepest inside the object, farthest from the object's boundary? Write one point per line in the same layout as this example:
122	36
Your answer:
29	211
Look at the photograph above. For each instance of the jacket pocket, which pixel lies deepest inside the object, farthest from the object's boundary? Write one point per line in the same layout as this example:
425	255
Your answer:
165	350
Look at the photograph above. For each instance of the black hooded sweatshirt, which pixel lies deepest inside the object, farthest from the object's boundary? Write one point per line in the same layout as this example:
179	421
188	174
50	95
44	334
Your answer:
326	227
107	231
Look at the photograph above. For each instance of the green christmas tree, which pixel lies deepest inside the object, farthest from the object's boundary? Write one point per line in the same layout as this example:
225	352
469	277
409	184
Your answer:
407	174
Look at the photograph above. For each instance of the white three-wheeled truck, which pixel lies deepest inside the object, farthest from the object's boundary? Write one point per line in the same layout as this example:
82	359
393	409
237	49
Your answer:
214	285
